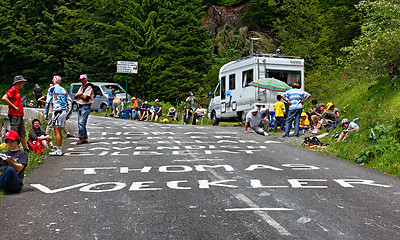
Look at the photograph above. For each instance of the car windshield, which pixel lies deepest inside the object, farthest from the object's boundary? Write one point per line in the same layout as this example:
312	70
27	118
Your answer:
107	88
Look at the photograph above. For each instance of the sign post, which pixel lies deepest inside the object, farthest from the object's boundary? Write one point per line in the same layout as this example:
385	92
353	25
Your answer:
128	67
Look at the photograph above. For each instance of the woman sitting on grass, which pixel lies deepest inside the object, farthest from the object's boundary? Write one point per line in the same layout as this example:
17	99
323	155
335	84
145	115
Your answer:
350	127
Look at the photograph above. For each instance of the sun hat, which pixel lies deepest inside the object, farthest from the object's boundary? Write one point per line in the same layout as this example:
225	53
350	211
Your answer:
304	114
145	102
345	120
19	78
133	98
329	105
83	76
171	109
11	135
31	101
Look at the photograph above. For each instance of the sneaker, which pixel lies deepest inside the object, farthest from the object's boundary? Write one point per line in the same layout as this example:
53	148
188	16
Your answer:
70	135
315	131
265	134
57	152
285	136
85	141
79	142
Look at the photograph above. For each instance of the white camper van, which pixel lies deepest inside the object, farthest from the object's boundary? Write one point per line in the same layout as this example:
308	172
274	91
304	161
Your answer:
234	96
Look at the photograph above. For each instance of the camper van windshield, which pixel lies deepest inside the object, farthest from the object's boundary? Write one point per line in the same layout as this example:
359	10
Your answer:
107	88
288	77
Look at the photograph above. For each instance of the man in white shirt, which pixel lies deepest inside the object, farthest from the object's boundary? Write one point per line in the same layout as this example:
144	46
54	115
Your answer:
255	120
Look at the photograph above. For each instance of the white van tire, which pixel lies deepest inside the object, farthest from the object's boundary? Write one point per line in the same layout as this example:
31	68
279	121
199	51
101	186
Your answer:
74	107
214	119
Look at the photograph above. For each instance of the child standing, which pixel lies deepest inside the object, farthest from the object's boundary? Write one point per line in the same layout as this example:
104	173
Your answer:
279	115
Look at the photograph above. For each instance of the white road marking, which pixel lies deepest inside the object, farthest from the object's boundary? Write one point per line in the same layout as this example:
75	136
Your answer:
257	209
200	159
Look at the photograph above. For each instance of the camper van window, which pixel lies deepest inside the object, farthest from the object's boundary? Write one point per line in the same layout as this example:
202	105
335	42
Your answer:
117	88
232	81
223	86
288	77
247	78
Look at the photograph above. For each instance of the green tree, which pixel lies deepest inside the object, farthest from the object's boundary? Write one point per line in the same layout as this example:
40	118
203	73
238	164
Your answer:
377	47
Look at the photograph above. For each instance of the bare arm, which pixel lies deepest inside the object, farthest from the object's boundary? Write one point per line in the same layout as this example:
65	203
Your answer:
17	166
6	99
245	127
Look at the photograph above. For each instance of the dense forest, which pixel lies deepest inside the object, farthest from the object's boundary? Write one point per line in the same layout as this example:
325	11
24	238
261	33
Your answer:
180	44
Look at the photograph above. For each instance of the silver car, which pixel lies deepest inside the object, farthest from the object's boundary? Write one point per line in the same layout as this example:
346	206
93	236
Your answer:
102	90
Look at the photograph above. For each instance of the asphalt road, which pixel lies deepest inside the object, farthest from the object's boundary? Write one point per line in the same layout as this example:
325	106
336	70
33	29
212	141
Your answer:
139	180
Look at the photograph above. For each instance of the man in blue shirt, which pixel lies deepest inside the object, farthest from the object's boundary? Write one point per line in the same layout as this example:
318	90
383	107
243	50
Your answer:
295	97
111	97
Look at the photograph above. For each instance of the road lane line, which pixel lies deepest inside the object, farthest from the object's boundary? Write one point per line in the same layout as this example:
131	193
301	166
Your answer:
257	209
261	213
199	159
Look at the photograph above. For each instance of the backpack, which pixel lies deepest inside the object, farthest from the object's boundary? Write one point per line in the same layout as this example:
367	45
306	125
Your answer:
313	142
93	87
36	147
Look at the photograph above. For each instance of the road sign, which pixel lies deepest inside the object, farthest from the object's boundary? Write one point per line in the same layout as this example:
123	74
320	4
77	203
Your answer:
127	67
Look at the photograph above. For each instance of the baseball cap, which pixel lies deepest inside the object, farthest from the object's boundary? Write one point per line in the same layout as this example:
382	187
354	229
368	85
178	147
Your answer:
56	79
11	135
145	102
254	110
156	100
304	114
19	78
83	76
329	105
133	98
345	120
296	84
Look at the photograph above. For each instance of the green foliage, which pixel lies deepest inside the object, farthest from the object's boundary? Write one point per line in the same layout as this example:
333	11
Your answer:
378	44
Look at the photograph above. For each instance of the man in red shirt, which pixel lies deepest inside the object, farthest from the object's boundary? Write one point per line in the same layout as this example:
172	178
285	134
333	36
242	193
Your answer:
15	109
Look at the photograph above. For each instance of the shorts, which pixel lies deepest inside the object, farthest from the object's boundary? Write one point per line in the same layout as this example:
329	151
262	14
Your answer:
59	118
109	105
17	124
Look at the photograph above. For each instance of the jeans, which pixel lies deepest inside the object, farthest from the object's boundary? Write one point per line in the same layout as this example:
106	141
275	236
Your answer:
9	181
294	114
280	121
83	114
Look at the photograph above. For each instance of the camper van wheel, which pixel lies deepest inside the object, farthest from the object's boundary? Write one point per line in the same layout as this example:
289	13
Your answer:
242	117
214	119
74	107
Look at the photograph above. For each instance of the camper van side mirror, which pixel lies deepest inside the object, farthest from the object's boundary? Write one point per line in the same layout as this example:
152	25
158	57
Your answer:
210	94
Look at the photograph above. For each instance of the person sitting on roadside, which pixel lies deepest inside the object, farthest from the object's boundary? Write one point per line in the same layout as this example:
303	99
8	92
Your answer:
199	113
335	111
324	119
12	178
187	113
38	137
350	127
157	111
145	110
172	114
111	96
130	111
138	108
23	101
117	106
31	104
313	111
304	122
254	120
